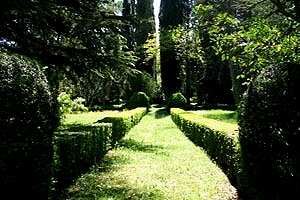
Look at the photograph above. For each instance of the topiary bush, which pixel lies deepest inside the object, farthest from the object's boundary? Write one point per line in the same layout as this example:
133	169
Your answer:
176	100
270	135
139	99
28	117
141	82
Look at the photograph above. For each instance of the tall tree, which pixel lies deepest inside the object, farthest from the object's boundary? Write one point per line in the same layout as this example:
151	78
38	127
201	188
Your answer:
218	74
145	25
129	13
171	15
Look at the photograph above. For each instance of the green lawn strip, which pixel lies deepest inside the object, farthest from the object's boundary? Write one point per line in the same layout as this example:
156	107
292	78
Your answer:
154	161
86	117
227	116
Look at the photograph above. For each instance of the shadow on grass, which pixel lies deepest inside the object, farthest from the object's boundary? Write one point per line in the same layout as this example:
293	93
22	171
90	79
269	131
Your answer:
161	113
120	190
101	183
157	105
137	146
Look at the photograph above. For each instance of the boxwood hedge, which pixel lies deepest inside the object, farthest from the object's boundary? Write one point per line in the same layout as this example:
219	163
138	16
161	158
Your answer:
122	122
76	149
218	139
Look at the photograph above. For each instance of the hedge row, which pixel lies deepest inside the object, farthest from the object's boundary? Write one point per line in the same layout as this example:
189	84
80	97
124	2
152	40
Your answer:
78	147
218	139
75	152
122	122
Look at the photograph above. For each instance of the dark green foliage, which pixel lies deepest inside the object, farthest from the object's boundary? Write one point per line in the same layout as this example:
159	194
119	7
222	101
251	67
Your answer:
170	67
220	143
269	134
170	16
76	149
177	100
288	8
28	118
171	13
139	99
141	82
145	25
68	35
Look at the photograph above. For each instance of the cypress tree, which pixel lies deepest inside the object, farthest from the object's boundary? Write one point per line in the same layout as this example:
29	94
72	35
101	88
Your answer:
170	16
145	25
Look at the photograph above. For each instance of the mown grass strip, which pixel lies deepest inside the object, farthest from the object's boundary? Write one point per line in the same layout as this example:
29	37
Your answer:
154	161
86	117
227	116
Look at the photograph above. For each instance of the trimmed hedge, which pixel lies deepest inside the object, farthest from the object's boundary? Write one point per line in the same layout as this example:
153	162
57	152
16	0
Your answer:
77	149
218	139
122	122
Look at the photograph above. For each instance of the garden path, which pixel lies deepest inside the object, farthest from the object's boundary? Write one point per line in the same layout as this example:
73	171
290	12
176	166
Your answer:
154	160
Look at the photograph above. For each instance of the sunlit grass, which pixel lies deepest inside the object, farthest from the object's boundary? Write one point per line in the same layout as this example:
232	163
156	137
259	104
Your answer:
221	115
85	117
154	161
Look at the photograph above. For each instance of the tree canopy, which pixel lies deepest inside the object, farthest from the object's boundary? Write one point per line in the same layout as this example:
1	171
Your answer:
74	34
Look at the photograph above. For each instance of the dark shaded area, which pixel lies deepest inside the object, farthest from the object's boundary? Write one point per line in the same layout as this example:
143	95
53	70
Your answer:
137	146
269	134
28	117
161	113
212	106
158	106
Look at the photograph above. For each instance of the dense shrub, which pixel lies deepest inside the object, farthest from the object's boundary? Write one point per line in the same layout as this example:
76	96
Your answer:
67	105
176	100
138	99
28	117
270	134
141	82
218	139
76	149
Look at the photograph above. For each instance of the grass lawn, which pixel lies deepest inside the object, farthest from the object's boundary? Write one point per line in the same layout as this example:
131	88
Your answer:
154	161
86	117
221	115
